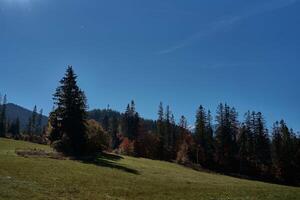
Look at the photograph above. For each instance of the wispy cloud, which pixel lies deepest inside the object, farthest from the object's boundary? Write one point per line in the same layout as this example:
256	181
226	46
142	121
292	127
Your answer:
229	21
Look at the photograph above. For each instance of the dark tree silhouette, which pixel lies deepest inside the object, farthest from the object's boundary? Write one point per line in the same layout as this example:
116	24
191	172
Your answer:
68	120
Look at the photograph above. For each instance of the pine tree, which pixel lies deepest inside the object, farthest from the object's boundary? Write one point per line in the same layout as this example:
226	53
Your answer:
105	123
284	153
261	142
14	128
184	142
113	130
17	127
161	132
39	126
71	115
226	133
3	121
126	122
131	122
200	131
34	121
173	137
203	138
160	121
243	151
168	134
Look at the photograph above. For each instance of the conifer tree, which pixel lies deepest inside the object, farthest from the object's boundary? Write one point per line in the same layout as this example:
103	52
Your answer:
160	120
161	132
34	121
203	137
69	116
261	143
226	146
3	121
173	137
113	130
243	152
14	128
131	122
284	153
39	125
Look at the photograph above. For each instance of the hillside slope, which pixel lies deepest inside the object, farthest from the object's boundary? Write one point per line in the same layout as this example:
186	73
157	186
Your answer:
14	111
120	178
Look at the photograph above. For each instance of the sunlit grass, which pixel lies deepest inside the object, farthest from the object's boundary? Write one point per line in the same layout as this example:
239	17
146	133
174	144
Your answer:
115	178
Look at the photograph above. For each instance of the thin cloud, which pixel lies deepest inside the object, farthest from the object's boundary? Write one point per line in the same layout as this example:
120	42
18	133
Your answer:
227	22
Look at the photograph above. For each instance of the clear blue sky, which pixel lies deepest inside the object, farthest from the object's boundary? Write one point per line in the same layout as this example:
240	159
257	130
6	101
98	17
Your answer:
184	53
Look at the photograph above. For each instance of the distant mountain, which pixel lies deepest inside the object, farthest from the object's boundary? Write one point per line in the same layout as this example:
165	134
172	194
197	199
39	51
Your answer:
14	111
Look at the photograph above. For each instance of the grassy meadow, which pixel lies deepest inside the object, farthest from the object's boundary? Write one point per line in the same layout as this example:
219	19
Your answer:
120	178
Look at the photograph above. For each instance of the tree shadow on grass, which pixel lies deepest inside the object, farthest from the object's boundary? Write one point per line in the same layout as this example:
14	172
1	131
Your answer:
109	160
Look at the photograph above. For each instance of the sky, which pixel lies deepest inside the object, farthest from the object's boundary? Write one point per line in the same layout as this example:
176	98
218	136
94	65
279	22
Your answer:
183	53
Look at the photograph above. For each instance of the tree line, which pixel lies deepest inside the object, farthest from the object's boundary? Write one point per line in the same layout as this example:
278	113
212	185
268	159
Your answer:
221	143
12	128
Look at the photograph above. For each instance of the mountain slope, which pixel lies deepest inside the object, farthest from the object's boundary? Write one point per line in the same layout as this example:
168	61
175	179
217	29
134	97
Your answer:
120	177
14	111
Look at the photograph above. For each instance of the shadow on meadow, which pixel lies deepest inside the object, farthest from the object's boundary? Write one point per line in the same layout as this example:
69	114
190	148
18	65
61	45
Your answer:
102	159
109	160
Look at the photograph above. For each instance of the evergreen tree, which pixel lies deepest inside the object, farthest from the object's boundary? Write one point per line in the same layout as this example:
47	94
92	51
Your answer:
70	116
161	132
131	122
3	122
261	143
203	138
173	137
168	134
113	130
243	151
226	146
284	153
184	142
17	127
126	122
39	126
105	123
32	123
160	121
182	129
14	128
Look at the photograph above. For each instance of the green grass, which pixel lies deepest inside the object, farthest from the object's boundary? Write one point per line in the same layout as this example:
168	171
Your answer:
120	178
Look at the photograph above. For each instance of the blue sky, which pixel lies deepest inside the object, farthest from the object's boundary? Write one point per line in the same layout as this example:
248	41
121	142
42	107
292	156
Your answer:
184	53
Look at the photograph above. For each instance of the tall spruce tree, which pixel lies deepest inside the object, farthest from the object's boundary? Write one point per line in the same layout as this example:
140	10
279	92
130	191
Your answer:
203	138
262	150
226	133
70	116
161	132
284	153
243	152
14	128
173	137
131	122
113	131
168	134
32	122
3	121
39	125
160	120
